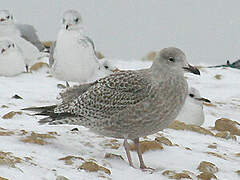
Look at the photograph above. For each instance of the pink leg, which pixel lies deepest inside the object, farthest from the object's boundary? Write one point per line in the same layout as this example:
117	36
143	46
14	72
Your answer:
126	146
142	165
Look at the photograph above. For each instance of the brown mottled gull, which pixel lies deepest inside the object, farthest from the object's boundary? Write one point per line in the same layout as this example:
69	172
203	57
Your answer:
127	104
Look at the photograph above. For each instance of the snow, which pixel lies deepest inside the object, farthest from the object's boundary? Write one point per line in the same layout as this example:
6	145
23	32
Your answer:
38	89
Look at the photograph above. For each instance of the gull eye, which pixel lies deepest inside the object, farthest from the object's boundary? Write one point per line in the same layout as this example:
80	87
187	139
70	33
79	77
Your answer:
171	59
8	17
9	45
76	20
13	45
191	95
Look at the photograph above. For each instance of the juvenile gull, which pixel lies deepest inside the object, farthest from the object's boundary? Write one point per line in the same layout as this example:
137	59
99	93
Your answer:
11	59
8	29
128	104
73	56
192	111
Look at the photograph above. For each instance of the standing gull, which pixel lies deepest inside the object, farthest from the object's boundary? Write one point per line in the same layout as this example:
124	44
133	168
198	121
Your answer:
11	59
8	29
128	104
192	111
73	56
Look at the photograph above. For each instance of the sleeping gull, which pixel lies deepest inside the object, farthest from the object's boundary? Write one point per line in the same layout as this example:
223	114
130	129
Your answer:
192	111
128	104
72	56
11	59
8	29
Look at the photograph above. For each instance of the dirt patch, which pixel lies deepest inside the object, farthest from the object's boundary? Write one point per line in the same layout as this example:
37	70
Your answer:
38	65
147	146
11	114
112	144
8	159
36	138
1	178
225	124
226	135
113	156
93	167
69	159
206	176
5	132
174	175
218	76
207	167
164	140
216	155
177	125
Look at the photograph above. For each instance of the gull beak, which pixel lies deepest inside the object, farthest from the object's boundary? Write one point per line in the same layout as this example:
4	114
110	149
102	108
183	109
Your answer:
68	25
3	50
192	69
203	99
2	19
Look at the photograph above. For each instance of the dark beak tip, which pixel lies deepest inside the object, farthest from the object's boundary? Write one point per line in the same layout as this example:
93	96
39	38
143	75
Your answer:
192	69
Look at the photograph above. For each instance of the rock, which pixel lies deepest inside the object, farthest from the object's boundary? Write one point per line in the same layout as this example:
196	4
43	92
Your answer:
93	167
206	176
61	178
147	146
113	156
164	140
225	124
226	135
207	167
177	125
11	114
174	175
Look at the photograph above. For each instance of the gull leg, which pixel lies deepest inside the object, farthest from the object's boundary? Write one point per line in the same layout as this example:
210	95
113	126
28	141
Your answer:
26	66
142	165
67	85
126	146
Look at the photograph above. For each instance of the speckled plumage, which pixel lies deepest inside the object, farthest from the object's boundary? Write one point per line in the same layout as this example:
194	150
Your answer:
127	104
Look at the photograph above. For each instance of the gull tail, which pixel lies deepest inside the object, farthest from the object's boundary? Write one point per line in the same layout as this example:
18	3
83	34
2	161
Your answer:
52	117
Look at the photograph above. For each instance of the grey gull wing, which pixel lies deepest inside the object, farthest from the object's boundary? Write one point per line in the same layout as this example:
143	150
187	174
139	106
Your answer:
29	33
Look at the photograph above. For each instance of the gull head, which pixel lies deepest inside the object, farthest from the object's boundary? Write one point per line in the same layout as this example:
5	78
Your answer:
6	46
172	59
72	20
194	96
6	17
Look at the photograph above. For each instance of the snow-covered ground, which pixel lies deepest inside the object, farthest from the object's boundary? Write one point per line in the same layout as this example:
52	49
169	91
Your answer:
32	151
